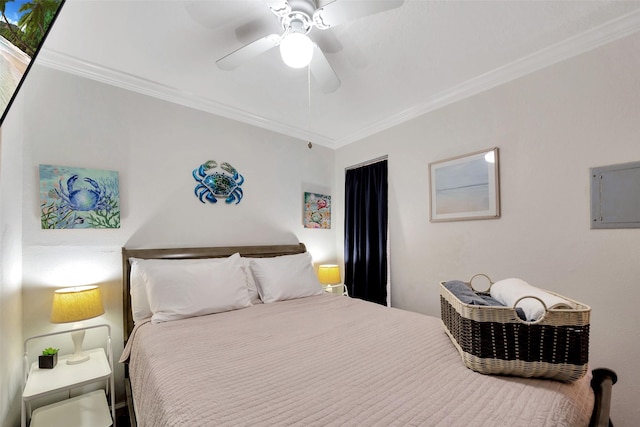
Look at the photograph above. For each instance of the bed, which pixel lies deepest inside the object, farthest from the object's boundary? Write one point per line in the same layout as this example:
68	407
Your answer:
323	359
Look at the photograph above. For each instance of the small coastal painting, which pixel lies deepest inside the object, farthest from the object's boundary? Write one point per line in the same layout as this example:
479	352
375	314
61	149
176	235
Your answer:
24	25
465	187
79	198
317	210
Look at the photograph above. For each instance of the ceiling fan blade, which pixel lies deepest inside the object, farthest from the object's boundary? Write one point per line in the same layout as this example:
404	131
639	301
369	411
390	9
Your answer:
250	51
323	72
280	8
341	11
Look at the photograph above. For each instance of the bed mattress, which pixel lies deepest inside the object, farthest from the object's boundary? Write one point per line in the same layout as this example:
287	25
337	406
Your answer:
329	360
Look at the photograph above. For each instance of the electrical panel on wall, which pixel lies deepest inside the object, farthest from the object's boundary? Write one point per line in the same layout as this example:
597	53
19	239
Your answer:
615	196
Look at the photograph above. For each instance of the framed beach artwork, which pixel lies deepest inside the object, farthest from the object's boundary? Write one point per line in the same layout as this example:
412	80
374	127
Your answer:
465	187
78	198
24	25
317	210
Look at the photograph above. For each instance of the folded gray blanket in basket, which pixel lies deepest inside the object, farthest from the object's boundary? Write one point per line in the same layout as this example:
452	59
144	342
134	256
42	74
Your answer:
464	293
467	295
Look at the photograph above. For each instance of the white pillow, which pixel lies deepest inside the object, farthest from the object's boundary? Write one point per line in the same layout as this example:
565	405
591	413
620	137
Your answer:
201	288
252	287
285	277
138	290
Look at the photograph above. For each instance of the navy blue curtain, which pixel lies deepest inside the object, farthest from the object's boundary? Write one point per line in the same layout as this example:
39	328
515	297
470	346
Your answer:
365	232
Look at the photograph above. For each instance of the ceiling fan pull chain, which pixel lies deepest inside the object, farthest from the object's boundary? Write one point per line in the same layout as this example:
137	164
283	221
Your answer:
310	145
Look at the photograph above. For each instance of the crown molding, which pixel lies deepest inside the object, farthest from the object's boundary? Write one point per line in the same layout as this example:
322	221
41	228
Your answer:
573	46
72	65
576	45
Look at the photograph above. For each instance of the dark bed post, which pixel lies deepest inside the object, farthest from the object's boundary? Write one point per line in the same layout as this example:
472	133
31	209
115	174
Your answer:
126	298
602	384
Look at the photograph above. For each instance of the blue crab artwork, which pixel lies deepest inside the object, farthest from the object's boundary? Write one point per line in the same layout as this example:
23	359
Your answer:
79	198
213	185
86	198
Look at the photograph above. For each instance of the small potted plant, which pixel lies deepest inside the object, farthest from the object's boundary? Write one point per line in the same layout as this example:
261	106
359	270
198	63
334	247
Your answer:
48	358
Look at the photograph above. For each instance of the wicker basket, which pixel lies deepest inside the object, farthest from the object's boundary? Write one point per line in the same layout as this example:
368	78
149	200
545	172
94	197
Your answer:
494	340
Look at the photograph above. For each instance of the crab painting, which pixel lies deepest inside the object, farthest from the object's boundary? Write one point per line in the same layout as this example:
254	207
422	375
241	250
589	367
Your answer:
218	185
78	198
87	198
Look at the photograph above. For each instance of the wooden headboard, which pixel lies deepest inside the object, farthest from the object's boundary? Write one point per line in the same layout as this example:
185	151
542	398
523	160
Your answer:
191	253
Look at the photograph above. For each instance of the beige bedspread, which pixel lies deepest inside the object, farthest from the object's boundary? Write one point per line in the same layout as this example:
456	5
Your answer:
329	360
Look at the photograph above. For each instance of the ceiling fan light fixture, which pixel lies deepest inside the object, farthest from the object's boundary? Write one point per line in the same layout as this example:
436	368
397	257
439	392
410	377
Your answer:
296	50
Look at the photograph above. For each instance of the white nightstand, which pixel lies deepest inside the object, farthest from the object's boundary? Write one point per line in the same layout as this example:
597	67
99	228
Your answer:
339	289
86	410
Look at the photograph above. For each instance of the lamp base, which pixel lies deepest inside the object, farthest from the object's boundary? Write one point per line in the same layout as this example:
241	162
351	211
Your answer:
77	358
78	355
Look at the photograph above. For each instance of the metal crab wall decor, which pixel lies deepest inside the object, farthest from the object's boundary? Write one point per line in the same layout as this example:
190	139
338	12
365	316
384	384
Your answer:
213	185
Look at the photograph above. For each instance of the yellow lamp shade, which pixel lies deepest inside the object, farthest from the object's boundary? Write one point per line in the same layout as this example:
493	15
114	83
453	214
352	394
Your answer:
329	274
76	304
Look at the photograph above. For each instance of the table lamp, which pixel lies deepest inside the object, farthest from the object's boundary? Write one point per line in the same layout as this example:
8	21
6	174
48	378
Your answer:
74	305
329	274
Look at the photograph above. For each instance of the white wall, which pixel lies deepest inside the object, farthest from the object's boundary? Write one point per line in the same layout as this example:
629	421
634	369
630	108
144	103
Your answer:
11	267
154	145
550	127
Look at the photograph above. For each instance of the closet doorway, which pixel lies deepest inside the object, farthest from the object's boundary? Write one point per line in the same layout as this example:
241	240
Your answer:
365	232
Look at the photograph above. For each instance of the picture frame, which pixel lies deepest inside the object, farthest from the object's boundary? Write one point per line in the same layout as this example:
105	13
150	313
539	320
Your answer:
465	187
78	198
316	211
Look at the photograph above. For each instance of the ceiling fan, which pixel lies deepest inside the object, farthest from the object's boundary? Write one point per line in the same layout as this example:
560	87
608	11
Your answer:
297	18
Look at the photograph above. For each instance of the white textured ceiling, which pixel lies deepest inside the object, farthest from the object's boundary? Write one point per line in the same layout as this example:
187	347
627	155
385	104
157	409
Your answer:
394	65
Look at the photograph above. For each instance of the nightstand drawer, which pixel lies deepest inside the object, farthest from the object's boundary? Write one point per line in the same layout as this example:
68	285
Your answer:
87	410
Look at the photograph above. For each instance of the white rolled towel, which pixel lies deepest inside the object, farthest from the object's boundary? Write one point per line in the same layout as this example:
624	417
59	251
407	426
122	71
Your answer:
508	291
